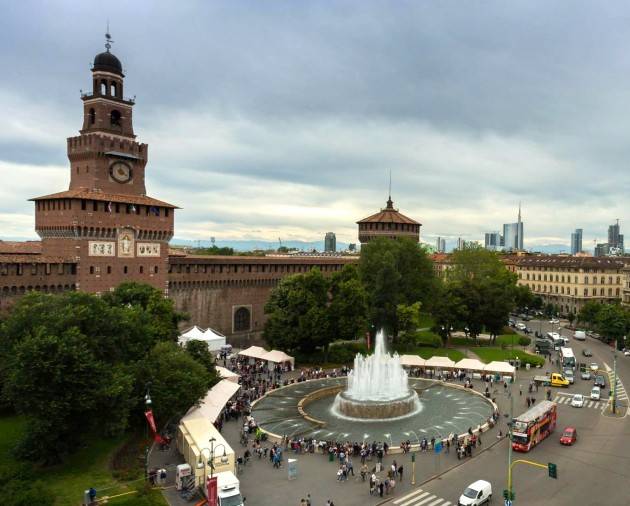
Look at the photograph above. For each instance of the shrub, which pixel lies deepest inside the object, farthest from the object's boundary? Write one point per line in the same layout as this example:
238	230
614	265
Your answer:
524	340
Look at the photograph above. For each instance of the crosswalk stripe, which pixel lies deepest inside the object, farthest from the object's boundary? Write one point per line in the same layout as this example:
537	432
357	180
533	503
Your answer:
596	405
590	404
436	502
413	501
405	497
430	498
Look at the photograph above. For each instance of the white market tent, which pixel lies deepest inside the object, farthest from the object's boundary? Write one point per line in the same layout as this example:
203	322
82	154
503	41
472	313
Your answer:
470	364
278	357
253	352
499	368
212	338
225	373
412	361
215	400
439	362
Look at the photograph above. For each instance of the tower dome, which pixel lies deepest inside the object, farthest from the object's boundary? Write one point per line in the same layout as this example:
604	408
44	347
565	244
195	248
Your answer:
107	62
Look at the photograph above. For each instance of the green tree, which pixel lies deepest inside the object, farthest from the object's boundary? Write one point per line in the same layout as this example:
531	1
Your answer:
177	381
449	311
395	272
199	351
523	297
408	316
347	309
589	312
612	322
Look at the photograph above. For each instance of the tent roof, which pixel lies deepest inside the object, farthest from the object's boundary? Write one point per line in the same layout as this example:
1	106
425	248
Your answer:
192	333
470	363
253	351
411	360
437	361
501	367
277	356
213	403
225	373
213	335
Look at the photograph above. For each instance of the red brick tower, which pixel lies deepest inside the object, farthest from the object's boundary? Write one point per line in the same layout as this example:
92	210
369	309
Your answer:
105	222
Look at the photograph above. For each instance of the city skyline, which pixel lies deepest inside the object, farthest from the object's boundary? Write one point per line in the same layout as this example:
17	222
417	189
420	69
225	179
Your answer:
321	142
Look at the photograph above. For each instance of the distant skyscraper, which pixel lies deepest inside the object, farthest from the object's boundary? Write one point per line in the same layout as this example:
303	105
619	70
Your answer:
615	240
513	234
330	242
576	241
440	245
462	244
601	249
492	241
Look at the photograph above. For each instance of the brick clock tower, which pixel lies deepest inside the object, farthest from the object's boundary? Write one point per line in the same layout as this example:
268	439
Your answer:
105	222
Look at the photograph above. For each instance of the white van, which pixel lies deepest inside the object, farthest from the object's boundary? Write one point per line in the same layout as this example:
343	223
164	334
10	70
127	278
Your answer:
579	335
475	494
596	393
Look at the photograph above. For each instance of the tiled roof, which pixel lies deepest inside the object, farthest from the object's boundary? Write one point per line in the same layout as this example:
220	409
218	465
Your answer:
236	259
34	259
84	193
389	215
570	261
20	248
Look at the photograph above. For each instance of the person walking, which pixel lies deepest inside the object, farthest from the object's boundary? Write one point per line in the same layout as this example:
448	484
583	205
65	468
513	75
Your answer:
400	472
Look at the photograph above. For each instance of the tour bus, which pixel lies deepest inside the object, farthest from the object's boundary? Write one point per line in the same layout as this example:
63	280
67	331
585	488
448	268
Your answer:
567	358
533	426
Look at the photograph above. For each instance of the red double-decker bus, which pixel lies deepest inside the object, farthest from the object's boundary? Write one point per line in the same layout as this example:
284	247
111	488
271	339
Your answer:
533	426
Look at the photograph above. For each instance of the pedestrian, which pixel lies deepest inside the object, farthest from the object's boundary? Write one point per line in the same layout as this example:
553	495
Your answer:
303	502
308	500
381	488
400	472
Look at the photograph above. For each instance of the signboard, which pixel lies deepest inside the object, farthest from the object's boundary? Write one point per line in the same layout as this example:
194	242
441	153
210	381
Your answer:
125	243
212	491
292	469
148	249
101	248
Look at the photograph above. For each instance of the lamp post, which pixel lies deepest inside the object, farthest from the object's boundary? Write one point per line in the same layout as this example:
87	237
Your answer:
509	431
147	405
211	451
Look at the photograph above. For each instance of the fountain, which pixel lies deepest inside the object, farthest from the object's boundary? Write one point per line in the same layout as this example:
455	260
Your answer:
378	387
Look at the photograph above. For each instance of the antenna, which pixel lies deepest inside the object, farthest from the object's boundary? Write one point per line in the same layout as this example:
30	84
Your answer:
390	184
108	39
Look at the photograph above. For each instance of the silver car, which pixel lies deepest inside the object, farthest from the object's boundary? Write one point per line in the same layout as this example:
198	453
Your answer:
585	374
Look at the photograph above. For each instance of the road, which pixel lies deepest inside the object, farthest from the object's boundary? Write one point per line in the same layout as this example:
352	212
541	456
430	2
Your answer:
595	471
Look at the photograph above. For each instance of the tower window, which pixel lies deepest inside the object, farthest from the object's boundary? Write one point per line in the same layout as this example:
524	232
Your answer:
103	87
125	269
91	269
114	118
83	205
141	269
92	115
155	270
113	90
109	269
94	205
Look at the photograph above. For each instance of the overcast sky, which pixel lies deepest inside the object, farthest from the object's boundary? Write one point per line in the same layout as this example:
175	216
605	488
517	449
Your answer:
283	119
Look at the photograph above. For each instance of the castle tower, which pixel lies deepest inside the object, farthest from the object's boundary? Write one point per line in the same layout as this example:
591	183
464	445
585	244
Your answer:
104	221
390	223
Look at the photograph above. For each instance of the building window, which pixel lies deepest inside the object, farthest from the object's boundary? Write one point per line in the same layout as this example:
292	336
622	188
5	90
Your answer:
92	116
125	270
242	319
109	269
94	205
155	269
114	118
586	280
91	269
141	269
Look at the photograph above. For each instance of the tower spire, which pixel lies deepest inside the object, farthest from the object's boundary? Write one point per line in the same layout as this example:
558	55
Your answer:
108	38
390	203
519	211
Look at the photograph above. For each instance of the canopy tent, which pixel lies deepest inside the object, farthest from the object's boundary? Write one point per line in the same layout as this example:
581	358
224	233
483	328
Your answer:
439	362
253	352
227	374
278	357
470	364
212	338
213	403
499	368
412	361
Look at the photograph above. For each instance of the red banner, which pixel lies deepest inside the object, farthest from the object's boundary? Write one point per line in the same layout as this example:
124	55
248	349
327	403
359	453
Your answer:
151	420
212	491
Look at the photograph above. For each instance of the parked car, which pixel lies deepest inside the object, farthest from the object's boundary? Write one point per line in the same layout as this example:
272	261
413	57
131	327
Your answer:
476	493
587	352
626	353
554	321
511	323
521	326
569	436
577	401
594	366
600	381
596	393
585	374
579	335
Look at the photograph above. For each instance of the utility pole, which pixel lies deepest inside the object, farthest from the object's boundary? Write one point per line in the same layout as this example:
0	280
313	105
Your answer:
614	388
509	434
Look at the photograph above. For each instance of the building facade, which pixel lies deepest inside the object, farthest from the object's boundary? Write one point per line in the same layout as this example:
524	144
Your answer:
570	282
330	242
440	245
576	241
493	241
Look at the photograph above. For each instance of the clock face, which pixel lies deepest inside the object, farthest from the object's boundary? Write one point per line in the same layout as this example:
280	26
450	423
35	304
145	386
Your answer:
120	172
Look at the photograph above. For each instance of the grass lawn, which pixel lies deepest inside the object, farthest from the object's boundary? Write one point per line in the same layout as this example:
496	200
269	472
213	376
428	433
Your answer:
488	354
88	467
505	339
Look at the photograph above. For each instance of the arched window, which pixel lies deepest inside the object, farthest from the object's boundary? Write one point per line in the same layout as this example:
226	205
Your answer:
114	118
103	87
92	116
242	319
113	89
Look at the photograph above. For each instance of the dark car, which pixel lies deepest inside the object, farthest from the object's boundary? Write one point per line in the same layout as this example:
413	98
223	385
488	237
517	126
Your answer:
600	381
587	353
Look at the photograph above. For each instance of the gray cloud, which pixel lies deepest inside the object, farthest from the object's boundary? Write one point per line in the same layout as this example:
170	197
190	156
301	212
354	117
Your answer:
284	118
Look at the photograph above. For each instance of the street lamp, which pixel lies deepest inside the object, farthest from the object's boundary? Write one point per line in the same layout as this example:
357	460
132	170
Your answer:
211	457
147	404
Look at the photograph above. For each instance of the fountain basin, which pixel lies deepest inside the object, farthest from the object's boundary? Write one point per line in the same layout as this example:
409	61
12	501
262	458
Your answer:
346	405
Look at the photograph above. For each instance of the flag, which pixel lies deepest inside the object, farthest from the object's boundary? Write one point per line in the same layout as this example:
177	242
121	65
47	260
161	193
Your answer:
150	420
109	207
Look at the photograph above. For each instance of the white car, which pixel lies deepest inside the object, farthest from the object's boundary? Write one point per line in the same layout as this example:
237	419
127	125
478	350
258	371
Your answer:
594	367
521	326
577	401
554	321
596	393
626	353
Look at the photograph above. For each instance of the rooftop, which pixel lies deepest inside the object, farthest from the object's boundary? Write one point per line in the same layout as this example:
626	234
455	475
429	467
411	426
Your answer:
84	193
389	215
20	248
